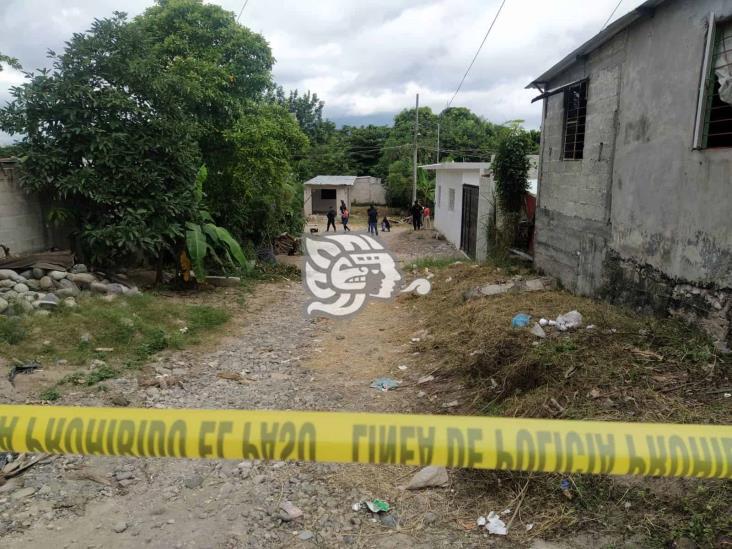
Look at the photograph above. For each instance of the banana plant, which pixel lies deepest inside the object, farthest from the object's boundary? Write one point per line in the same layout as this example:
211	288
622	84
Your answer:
206	240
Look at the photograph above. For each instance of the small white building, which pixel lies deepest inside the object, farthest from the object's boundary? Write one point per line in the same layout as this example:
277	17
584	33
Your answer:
324	191
464	204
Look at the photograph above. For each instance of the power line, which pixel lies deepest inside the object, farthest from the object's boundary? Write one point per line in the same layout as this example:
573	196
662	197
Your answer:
476	54
611	14
242	10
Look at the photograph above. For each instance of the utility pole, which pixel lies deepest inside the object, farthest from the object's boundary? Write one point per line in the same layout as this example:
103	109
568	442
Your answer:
438	141
416	134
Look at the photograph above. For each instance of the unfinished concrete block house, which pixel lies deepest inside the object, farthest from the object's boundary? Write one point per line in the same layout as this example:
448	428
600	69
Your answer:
635	175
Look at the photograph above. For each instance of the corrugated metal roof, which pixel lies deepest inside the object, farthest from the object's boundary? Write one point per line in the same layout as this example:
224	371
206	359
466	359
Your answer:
598	40
457	166
332	180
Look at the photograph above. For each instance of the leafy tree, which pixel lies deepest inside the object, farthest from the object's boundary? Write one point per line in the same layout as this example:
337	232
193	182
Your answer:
206	240
9	61
364	148
261	196
510	169
122	159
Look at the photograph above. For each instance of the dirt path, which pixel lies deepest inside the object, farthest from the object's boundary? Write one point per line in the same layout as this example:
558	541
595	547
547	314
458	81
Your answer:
291	363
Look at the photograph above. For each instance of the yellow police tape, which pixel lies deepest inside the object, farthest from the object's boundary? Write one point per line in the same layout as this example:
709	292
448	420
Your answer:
455	441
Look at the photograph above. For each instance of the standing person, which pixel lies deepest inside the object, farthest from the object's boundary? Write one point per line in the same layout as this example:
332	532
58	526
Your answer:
373	214
342	207
344	217
331	219
426	213
416	215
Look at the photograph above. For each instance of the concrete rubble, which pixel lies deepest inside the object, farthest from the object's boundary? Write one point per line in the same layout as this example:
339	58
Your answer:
515	285
36	289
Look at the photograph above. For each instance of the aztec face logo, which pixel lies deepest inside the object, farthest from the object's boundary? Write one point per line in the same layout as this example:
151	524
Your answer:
343	270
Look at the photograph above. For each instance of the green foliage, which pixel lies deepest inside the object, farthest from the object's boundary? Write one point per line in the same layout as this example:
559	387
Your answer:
399	183
98	137
51	394
9	61
258	196
511	169
12	330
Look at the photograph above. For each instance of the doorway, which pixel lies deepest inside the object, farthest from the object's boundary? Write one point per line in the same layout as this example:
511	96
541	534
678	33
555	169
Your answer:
469	223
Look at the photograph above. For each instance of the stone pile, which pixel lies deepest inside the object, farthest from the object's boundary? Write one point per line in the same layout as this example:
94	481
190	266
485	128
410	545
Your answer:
43	290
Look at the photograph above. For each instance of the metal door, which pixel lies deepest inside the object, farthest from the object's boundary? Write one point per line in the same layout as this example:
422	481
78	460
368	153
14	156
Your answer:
469	223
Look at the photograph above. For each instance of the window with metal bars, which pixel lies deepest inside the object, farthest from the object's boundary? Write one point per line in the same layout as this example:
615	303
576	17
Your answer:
718	112
575	117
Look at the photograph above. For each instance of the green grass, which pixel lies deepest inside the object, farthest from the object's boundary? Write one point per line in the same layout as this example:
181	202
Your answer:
50	394
135	328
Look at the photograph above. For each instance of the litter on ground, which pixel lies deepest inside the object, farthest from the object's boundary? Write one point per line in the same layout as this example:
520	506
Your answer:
521	320
429	477
385	384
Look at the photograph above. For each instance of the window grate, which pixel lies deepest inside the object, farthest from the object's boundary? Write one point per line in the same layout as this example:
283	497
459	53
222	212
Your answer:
718	126
575	117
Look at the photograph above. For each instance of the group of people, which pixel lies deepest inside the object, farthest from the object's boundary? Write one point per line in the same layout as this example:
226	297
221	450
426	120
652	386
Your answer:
420	217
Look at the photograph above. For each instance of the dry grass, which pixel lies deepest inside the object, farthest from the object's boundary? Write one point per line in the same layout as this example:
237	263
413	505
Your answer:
630	367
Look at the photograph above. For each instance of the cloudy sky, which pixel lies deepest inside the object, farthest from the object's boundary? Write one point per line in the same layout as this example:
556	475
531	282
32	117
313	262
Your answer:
365	58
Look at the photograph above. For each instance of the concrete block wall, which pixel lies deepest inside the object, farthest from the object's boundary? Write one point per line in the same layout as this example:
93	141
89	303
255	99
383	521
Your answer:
574	195
21	218
368	190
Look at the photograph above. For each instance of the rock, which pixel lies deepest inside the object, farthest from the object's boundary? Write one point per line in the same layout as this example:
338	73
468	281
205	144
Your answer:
429	477
33	284
48	301
63	293
28	273
305	535
388	520
23	493
119	399
119	527
98	287
46	283
224	281
9	274
193	482
84	280
7	283
21	288
37	273
538	331
66	283
85	337
430	518
685	543
3	305
96	363
24	305
79	268
289	512
57	275
10	295
70	302
115	288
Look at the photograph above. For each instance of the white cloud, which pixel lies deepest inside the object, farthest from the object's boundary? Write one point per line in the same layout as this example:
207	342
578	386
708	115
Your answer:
367	58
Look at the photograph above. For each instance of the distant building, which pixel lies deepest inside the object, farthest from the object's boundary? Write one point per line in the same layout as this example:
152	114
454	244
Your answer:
21	215
465	203
324	191
636	163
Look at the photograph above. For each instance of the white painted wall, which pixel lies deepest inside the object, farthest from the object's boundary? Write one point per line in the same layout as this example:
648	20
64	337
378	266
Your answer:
448	221
313	203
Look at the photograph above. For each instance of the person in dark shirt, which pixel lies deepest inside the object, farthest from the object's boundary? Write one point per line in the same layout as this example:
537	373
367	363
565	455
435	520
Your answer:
417	215
373	220
331	219
385	225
